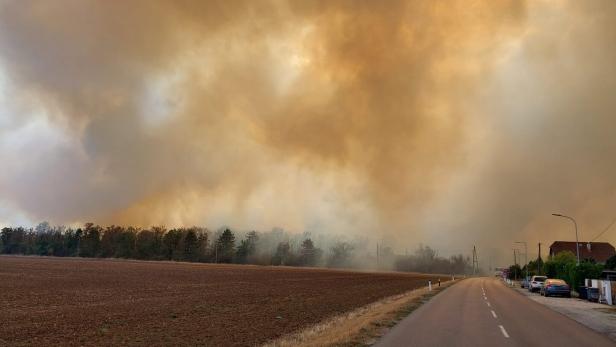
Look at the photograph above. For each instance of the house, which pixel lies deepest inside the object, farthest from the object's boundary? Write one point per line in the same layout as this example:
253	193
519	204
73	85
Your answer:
599	251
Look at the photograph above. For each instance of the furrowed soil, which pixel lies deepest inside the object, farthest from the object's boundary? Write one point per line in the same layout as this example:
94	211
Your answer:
72	301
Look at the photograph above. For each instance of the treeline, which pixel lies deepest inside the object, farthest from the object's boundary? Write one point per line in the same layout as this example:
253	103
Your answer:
193	244
425	259
196	244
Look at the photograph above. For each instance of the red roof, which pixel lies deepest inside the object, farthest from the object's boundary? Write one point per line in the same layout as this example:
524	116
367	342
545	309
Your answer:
599	251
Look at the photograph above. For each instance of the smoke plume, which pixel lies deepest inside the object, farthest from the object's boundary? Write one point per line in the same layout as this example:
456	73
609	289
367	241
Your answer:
452	123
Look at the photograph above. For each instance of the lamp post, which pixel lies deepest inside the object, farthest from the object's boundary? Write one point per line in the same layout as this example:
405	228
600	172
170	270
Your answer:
515	263
525	256
577	243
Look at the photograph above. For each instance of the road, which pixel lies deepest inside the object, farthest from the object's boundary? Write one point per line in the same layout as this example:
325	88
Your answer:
484	312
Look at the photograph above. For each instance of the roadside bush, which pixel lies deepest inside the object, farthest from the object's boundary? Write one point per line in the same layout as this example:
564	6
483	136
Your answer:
610	264
586	269
515	272
564	266
561	266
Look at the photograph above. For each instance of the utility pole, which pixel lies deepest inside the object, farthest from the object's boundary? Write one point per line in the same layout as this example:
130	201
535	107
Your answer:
475	261
515	262
525	255
539	260
490	264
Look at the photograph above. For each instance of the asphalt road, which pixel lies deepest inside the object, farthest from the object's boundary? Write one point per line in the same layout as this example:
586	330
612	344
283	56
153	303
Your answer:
484	312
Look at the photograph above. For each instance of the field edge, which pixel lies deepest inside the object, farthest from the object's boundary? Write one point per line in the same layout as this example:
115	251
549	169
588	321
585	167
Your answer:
362	326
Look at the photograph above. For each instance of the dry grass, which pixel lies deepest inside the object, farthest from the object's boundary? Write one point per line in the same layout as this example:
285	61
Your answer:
361	326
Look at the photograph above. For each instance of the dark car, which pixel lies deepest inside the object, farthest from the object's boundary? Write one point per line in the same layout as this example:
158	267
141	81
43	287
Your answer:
553	287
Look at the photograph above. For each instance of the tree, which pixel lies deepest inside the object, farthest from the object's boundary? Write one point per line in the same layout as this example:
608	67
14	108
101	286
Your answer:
109	241
42	228
191	245
148	245
171	243
90	241
158	246
57	246
72	241
310	255
459	264
203	243
425	258
247	247
43	237
225	246
560	265
42	241
126	243
13	240
535	267
586	269
515	272
340	255
281	257
610	264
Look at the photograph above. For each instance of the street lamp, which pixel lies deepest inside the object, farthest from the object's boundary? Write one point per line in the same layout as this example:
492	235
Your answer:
515	263
525	255
577	245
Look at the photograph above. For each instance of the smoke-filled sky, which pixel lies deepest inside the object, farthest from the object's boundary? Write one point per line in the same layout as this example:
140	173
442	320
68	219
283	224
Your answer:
450	123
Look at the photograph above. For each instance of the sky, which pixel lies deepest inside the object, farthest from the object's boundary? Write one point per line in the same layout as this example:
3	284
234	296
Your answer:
448	123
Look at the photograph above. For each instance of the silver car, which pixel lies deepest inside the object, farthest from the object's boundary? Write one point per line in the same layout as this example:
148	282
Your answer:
536	283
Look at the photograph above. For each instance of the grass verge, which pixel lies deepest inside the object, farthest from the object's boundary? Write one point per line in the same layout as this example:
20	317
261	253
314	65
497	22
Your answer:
362	326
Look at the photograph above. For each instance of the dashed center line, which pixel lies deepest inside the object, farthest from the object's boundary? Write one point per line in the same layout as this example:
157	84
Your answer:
488	304
493	313
502	328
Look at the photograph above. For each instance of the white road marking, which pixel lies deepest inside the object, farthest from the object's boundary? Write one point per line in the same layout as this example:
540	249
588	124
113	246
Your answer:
502	328
488	304
493	314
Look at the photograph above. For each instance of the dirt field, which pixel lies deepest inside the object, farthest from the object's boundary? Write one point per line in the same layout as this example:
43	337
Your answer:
66	301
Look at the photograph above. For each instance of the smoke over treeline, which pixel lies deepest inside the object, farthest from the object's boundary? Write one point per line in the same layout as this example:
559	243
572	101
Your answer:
444	122
197	244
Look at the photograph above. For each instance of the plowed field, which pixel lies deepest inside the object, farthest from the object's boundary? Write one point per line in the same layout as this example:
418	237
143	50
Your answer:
68	301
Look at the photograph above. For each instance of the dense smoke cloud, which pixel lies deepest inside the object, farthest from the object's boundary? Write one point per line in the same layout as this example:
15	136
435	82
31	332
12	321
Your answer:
451	123
546	140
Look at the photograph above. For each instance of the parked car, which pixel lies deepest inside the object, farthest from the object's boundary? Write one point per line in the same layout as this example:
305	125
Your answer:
555	287
536	283
524	283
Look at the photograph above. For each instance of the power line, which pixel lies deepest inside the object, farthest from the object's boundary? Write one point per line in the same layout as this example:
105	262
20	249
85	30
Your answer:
606	229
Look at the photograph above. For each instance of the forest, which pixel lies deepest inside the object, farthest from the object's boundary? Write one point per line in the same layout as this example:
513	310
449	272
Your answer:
198	244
